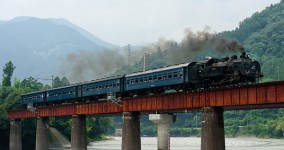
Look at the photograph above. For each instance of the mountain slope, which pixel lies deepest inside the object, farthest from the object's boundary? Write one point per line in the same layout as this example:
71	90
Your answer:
84	33
36	46
263	36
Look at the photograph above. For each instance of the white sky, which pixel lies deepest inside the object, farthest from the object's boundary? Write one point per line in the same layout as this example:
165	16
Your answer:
138	21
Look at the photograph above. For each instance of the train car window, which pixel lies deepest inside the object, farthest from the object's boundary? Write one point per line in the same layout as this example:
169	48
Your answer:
155	77
170	75
180	74
150	78
175	74
118	84
165	76
132	81
136	80
100	86
141	80
160	77
145	79
114	85
107	86
110	85
127	82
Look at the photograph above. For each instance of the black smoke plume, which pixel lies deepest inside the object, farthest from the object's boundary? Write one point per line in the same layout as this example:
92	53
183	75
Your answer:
192	43
89	65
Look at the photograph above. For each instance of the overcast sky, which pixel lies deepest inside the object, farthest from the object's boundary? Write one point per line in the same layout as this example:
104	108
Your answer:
138	21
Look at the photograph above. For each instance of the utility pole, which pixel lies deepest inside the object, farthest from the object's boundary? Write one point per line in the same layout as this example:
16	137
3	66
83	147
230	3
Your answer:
48	79
144	68
129	54
52	81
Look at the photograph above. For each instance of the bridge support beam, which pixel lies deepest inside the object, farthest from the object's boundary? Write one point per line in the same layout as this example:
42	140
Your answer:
42	132
131	139
163	122
212	132
15	134
79	133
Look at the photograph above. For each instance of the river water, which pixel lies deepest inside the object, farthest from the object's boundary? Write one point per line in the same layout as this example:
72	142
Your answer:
193	143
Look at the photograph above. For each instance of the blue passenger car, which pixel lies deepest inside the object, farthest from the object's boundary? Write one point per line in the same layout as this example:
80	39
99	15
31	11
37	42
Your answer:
172	75
62	93
35	97
103	86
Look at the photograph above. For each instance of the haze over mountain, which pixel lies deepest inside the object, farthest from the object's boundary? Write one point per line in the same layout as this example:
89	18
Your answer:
36	46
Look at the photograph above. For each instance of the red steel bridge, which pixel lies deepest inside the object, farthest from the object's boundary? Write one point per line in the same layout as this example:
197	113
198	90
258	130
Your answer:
262	95
210	102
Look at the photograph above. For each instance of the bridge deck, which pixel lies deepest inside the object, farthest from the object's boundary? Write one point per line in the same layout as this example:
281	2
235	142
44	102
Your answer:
265	94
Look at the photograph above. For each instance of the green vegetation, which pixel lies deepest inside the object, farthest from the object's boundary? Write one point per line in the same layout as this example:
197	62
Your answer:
263	36
10	96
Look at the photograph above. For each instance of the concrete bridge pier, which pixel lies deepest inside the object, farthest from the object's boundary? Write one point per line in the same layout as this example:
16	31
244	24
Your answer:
79	133
131	139
212	132
163	122
15	134
42	132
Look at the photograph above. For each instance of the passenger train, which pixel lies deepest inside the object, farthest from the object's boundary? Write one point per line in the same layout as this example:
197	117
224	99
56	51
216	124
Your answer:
208	73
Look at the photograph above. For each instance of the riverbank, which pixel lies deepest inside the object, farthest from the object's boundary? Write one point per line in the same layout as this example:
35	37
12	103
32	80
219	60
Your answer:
193	143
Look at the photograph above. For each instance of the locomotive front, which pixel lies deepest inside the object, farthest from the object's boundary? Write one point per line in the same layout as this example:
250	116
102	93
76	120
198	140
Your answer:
242	69
250	69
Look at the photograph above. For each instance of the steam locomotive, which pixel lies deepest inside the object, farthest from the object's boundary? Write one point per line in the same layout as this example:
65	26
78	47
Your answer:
208	73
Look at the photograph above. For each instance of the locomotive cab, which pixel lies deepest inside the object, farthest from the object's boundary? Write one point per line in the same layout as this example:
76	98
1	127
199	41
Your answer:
206	71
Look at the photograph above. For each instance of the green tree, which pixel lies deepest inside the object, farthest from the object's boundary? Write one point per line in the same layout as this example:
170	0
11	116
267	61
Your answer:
64	81
31	84
56	82
98	127
8	73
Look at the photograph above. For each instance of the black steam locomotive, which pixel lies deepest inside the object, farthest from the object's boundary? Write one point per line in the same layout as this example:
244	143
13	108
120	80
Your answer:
208	73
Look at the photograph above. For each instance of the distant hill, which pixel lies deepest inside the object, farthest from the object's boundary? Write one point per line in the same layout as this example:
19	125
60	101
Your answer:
36	46
84	33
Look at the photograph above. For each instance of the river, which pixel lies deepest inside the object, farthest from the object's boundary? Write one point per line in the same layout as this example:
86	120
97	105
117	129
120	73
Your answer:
193	143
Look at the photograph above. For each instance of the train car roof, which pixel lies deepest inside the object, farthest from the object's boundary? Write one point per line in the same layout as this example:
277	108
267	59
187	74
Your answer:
103	79
159	69
87	82
81	83
33	92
